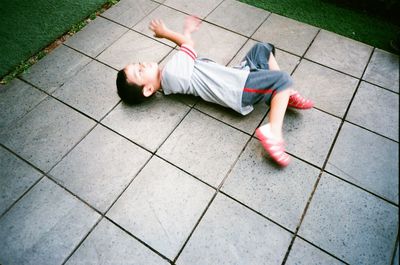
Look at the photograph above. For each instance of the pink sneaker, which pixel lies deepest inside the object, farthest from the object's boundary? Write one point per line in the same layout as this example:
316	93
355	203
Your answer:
274	148
299	102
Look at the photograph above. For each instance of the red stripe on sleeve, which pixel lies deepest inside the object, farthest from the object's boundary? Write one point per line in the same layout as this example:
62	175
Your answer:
189	51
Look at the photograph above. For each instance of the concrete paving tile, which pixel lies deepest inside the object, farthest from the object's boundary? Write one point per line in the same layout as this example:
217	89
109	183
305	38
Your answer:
16	178
286	34
242	53
162	206
203	147
96	36
56	68
217	44
171	17
229	233
91	91
396	255
350	223
196	8
376	109
383	70
219	51
133	47
130	12
280	194
16	99
47	133
238	17
247	123
309	134
340	53
100	167
166	59
287	62
304	253
367	160
44	227
149	123
189	100
107	244
331	91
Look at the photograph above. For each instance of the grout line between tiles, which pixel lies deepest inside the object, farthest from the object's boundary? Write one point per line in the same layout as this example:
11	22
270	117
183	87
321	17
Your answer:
325	162
211	201
103	215
321	249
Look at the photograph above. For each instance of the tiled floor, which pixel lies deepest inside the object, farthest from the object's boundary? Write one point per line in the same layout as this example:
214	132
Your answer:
86	179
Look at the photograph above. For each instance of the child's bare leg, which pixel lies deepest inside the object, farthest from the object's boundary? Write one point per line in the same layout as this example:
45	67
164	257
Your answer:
270	134
277	113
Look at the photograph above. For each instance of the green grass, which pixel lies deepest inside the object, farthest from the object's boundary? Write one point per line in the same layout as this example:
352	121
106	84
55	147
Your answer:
27	27
349	22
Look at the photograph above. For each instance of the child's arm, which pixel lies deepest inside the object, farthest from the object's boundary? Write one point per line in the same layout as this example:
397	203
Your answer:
162	31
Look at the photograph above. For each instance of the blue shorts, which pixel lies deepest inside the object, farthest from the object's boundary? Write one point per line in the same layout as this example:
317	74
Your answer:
262	84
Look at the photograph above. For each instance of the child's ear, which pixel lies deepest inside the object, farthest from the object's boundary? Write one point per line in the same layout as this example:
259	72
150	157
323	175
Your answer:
148	90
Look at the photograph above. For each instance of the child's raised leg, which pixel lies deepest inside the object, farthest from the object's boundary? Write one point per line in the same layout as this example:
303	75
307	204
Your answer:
270	134
295	100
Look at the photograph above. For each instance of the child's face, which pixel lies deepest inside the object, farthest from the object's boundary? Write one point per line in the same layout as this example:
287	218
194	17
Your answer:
143	74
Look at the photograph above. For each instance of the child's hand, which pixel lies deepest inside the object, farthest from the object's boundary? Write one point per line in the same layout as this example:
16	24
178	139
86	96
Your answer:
158	27
192	24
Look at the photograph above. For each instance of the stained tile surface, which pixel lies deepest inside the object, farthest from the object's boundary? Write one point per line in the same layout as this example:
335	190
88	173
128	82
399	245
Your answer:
375	164
243	19
44	227
91	41
109	244
149	124
232	234
91	91
309	134
204	147
383	70
358	212
130	12
17	99
44	139
340	53
133	47
281	195
56	68
286	34
304	253
16	178
197	8
100	167
372	108
161	206
330	90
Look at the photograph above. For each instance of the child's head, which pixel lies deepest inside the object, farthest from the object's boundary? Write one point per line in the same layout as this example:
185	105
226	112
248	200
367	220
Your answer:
137	82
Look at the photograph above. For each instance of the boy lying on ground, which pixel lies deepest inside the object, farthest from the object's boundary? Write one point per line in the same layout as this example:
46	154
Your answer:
257	78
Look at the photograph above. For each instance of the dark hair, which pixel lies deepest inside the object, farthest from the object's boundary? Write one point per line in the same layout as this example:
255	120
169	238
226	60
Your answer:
130	93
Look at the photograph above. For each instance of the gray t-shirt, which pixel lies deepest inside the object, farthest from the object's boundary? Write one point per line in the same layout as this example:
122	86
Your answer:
186	74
